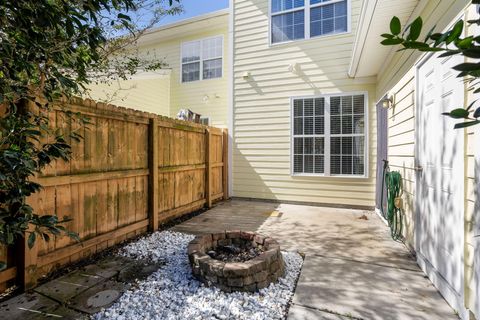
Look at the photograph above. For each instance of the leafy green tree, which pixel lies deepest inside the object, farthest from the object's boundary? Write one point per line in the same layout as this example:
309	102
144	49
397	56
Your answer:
51	49
447	44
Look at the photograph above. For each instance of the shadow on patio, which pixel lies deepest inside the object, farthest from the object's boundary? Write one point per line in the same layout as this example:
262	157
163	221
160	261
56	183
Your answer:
352	267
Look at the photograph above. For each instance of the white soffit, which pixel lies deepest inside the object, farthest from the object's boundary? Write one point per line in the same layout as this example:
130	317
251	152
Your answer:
369	54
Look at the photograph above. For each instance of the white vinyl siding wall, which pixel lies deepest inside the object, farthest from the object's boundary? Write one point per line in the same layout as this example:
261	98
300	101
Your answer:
262	108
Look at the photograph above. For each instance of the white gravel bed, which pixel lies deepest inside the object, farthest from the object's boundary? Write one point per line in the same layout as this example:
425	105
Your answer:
173	293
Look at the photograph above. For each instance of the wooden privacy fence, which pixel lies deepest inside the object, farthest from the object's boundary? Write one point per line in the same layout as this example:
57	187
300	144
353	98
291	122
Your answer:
131	172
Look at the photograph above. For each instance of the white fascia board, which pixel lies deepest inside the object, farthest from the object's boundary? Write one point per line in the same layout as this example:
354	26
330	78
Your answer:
366	16
155	34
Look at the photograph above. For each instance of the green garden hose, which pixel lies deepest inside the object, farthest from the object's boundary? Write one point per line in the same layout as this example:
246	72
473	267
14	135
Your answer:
393	181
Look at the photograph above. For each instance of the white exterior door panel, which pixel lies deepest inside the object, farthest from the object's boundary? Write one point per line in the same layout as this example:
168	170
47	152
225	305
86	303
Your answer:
440	189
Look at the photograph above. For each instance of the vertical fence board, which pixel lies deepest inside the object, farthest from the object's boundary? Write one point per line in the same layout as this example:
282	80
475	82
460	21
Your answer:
102	207
208	169
225	165
153	175
90	210
112	204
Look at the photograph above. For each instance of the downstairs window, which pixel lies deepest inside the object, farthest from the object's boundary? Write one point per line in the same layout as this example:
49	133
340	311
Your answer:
329	135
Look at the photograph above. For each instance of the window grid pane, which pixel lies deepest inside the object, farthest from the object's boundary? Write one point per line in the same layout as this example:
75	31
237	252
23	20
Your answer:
191	51
328	19
191	72
288	18
288	26
347	135
283	5
347	127
308	150
212	69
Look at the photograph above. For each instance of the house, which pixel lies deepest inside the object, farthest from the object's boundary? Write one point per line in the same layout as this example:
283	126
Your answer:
195	77
302	89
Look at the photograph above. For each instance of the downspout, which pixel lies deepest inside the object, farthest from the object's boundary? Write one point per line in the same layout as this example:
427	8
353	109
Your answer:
231	93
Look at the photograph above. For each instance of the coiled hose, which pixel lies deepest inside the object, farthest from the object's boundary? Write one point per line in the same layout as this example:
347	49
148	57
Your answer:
393	182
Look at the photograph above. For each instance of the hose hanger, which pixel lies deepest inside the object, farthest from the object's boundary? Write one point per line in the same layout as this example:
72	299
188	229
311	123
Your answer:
394	185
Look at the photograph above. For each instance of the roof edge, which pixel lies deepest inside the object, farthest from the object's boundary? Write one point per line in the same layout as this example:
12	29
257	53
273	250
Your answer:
366	16
186	21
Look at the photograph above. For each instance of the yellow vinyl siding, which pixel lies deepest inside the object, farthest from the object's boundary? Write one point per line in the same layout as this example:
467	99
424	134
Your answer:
401	145
191	95
165	44
398	78
151	95
262	111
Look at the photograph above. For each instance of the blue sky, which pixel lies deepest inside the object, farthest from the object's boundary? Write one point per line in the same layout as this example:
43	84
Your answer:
194	8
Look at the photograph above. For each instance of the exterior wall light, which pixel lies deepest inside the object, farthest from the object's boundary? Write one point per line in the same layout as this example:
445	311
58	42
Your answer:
387	102
246	75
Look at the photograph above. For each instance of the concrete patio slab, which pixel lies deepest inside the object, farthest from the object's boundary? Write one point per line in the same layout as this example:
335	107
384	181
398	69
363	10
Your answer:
352	266
333	232
302	313
368	291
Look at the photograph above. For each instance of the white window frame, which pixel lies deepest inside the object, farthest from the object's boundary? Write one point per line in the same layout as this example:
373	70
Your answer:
327	136
201	41
306	8
207	119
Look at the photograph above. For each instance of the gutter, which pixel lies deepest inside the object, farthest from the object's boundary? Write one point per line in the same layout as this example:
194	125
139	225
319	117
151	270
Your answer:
366	17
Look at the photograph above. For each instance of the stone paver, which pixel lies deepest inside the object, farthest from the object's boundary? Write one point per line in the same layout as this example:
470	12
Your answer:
101	296
35	306
231	215
65	288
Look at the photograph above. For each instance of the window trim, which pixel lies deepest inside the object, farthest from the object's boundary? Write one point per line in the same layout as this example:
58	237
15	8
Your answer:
207	119
222	36
327	137
306	7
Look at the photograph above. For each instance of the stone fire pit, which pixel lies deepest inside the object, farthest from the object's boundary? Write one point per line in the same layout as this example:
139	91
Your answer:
236	260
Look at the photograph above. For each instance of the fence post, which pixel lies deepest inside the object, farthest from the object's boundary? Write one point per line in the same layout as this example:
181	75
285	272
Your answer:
153	174
208	168
27	262
225	164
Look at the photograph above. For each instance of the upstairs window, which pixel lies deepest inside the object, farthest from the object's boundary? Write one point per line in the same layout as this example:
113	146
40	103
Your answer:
202	59
329	135
304	19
